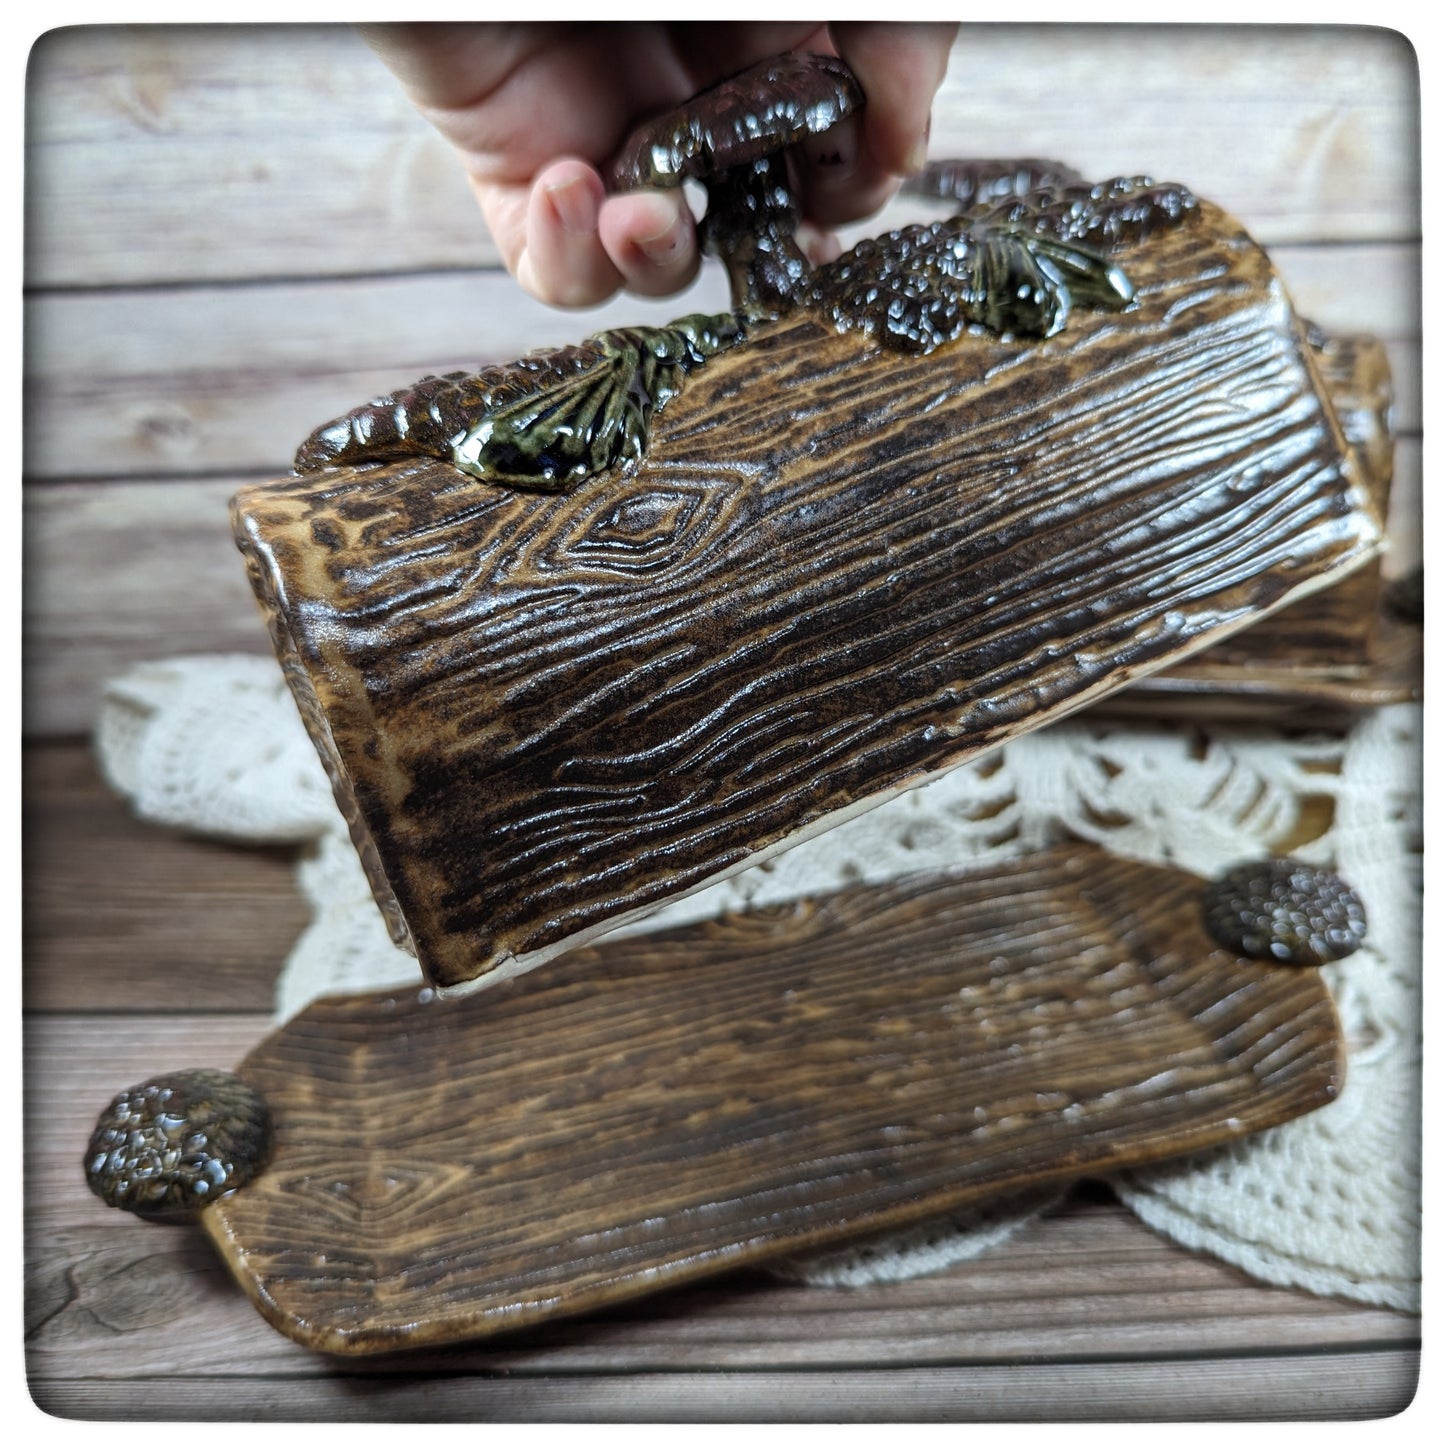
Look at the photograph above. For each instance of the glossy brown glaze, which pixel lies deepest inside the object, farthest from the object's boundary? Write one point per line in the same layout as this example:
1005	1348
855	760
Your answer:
546	713
1335	651
561	416
985	181
657	1109
1026	233
1017	266
546	421
777	103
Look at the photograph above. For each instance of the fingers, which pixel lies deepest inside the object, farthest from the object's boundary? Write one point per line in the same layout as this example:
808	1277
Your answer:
570	245
446	65
487	88
851	170
818	245
560	259
837	179
900	67
651	240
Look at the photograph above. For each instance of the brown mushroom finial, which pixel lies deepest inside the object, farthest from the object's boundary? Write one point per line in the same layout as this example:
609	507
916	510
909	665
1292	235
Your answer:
731	139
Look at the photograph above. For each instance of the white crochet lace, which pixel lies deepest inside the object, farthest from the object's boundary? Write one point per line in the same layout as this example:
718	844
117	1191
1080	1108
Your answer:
1328	1203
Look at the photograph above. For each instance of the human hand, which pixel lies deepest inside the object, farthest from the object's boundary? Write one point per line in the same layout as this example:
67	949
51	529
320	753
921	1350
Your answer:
535	110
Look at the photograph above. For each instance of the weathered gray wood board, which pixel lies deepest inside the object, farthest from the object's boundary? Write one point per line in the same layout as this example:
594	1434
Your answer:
222	152
544	713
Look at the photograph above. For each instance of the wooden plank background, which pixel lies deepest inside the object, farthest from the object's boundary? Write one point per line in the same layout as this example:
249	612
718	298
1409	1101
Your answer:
234	233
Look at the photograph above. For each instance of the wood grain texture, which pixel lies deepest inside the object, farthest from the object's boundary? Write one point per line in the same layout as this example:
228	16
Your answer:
1085	1281
545	713
1339	649
128	916
666	1107
121	573
212	153
1292	678
1331	1387
124	572
1335	1386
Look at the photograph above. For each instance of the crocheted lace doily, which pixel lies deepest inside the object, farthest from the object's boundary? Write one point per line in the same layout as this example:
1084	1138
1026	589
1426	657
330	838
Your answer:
1328	1202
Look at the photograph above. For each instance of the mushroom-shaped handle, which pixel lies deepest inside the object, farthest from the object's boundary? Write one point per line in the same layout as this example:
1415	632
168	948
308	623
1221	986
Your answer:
169	1146
731	139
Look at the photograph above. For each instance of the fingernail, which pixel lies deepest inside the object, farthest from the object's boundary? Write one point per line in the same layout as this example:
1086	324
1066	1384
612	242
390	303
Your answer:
663	247
575	205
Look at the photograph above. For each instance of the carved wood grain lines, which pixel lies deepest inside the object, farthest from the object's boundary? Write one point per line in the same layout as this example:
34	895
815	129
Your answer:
851	571
660	1108
180	381
1339	648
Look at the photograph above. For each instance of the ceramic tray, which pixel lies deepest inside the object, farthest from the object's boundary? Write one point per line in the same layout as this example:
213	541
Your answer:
654	1109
